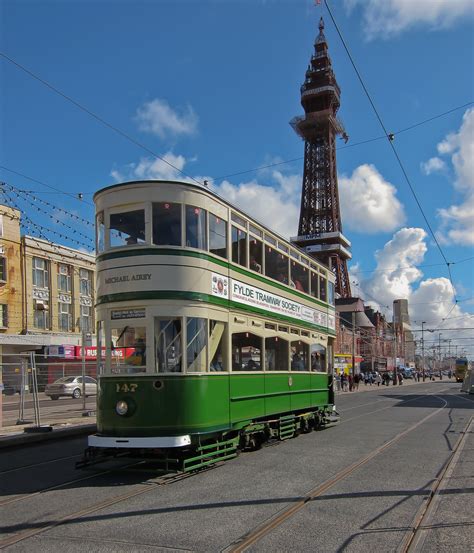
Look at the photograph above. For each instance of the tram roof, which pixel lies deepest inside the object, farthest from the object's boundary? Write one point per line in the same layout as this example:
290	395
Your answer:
220	198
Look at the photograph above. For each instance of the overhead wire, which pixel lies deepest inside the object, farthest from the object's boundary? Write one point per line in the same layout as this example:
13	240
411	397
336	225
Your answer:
389	137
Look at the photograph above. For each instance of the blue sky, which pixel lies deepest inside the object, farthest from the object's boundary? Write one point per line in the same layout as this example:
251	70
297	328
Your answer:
212	85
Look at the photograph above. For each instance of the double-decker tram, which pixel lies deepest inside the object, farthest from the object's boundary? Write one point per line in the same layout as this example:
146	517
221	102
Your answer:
225	330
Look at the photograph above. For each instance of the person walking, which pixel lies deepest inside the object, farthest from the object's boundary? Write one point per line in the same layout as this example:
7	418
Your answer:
378	379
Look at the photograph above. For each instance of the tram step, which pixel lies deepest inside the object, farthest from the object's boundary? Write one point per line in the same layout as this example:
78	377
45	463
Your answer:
210	454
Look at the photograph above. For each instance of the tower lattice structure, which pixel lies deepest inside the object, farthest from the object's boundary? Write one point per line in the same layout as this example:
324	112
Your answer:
320	228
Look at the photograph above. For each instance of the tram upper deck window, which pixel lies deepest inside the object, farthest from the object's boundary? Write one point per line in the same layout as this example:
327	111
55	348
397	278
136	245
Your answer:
166	224
331	293
196	227
276	354
322	289
196	336
300	277
217	236
256	254
314	280
100	232
128	350
127	228
239	246
276	265
168	345
246	352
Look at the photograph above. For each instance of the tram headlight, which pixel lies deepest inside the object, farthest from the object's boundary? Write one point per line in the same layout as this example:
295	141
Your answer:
121	408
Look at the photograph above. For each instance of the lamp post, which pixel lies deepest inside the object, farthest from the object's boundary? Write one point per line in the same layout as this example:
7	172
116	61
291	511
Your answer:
423	349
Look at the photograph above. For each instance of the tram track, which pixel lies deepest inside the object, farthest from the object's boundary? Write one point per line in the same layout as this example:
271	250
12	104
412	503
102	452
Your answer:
259	532
414	538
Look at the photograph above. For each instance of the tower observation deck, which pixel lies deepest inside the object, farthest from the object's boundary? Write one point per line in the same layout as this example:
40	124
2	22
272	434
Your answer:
320	228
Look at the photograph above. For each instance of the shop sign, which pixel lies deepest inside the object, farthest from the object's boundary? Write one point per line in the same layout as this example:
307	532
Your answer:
91	352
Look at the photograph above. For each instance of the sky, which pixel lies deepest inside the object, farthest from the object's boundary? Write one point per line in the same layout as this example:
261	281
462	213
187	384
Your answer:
211	86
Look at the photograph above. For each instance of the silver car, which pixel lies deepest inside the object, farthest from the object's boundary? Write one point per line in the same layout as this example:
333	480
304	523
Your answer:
71	386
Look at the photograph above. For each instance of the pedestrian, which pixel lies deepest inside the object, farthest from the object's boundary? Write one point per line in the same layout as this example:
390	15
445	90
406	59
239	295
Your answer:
400	378
378	379
343	381
337	378
356	381
351	383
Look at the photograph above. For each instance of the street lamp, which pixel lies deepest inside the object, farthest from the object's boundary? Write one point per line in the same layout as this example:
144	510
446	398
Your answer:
423	350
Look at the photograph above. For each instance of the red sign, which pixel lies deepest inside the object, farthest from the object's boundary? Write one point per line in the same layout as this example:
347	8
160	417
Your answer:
91	352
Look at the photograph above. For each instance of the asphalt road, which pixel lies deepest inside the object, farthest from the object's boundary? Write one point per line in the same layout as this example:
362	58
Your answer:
360	486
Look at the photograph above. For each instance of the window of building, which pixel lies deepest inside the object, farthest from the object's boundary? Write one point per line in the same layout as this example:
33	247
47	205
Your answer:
127	228
299	356
86	318
276	265
168	345
196	348
128	349
322	289
246	352
100	232
217	346
276	354
64	278
299	277
3	315
314	279
217	236
65	317
239	246
196	236
40	272
167	224
318	358
41	314
256	254
3	269
85	282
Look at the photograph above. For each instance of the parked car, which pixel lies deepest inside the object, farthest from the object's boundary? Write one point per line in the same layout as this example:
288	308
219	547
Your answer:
71	386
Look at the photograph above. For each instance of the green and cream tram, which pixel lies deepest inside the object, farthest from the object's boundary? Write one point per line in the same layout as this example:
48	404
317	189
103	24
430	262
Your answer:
216	333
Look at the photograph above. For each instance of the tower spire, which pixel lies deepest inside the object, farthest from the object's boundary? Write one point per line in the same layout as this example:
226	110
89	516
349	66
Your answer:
320	226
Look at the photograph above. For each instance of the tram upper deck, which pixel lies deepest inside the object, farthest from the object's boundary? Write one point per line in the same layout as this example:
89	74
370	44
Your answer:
175	249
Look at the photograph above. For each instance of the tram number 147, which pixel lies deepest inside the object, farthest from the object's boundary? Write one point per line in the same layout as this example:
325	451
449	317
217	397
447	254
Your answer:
126	388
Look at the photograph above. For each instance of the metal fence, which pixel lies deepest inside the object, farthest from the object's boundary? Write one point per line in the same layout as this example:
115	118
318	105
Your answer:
26	399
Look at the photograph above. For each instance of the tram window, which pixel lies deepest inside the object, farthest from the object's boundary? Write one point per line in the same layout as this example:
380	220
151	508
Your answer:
239	246
256	255
196	349
168	345
299	356
238	219
166	224
276	265
314	284
331	293
217	236
276	354
100	232
217	341
255	230
196	227
127	228
128	350
100	347
322	289
246	352
299	276
318	358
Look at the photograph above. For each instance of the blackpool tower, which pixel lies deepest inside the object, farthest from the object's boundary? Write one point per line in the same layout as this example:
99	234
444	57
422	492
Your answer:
320	228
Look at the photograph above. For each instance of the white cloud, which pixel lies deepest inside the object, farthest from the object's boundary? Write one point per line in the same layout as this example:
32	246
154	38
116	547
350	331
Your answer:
387	18
397	276
159	118
457	221
368	202
433	165
167	168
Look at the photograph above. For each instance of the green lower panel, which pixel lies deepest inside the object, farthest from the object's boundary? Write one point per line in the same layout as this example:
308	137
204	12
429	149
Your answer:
247	396
277	393
300	398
